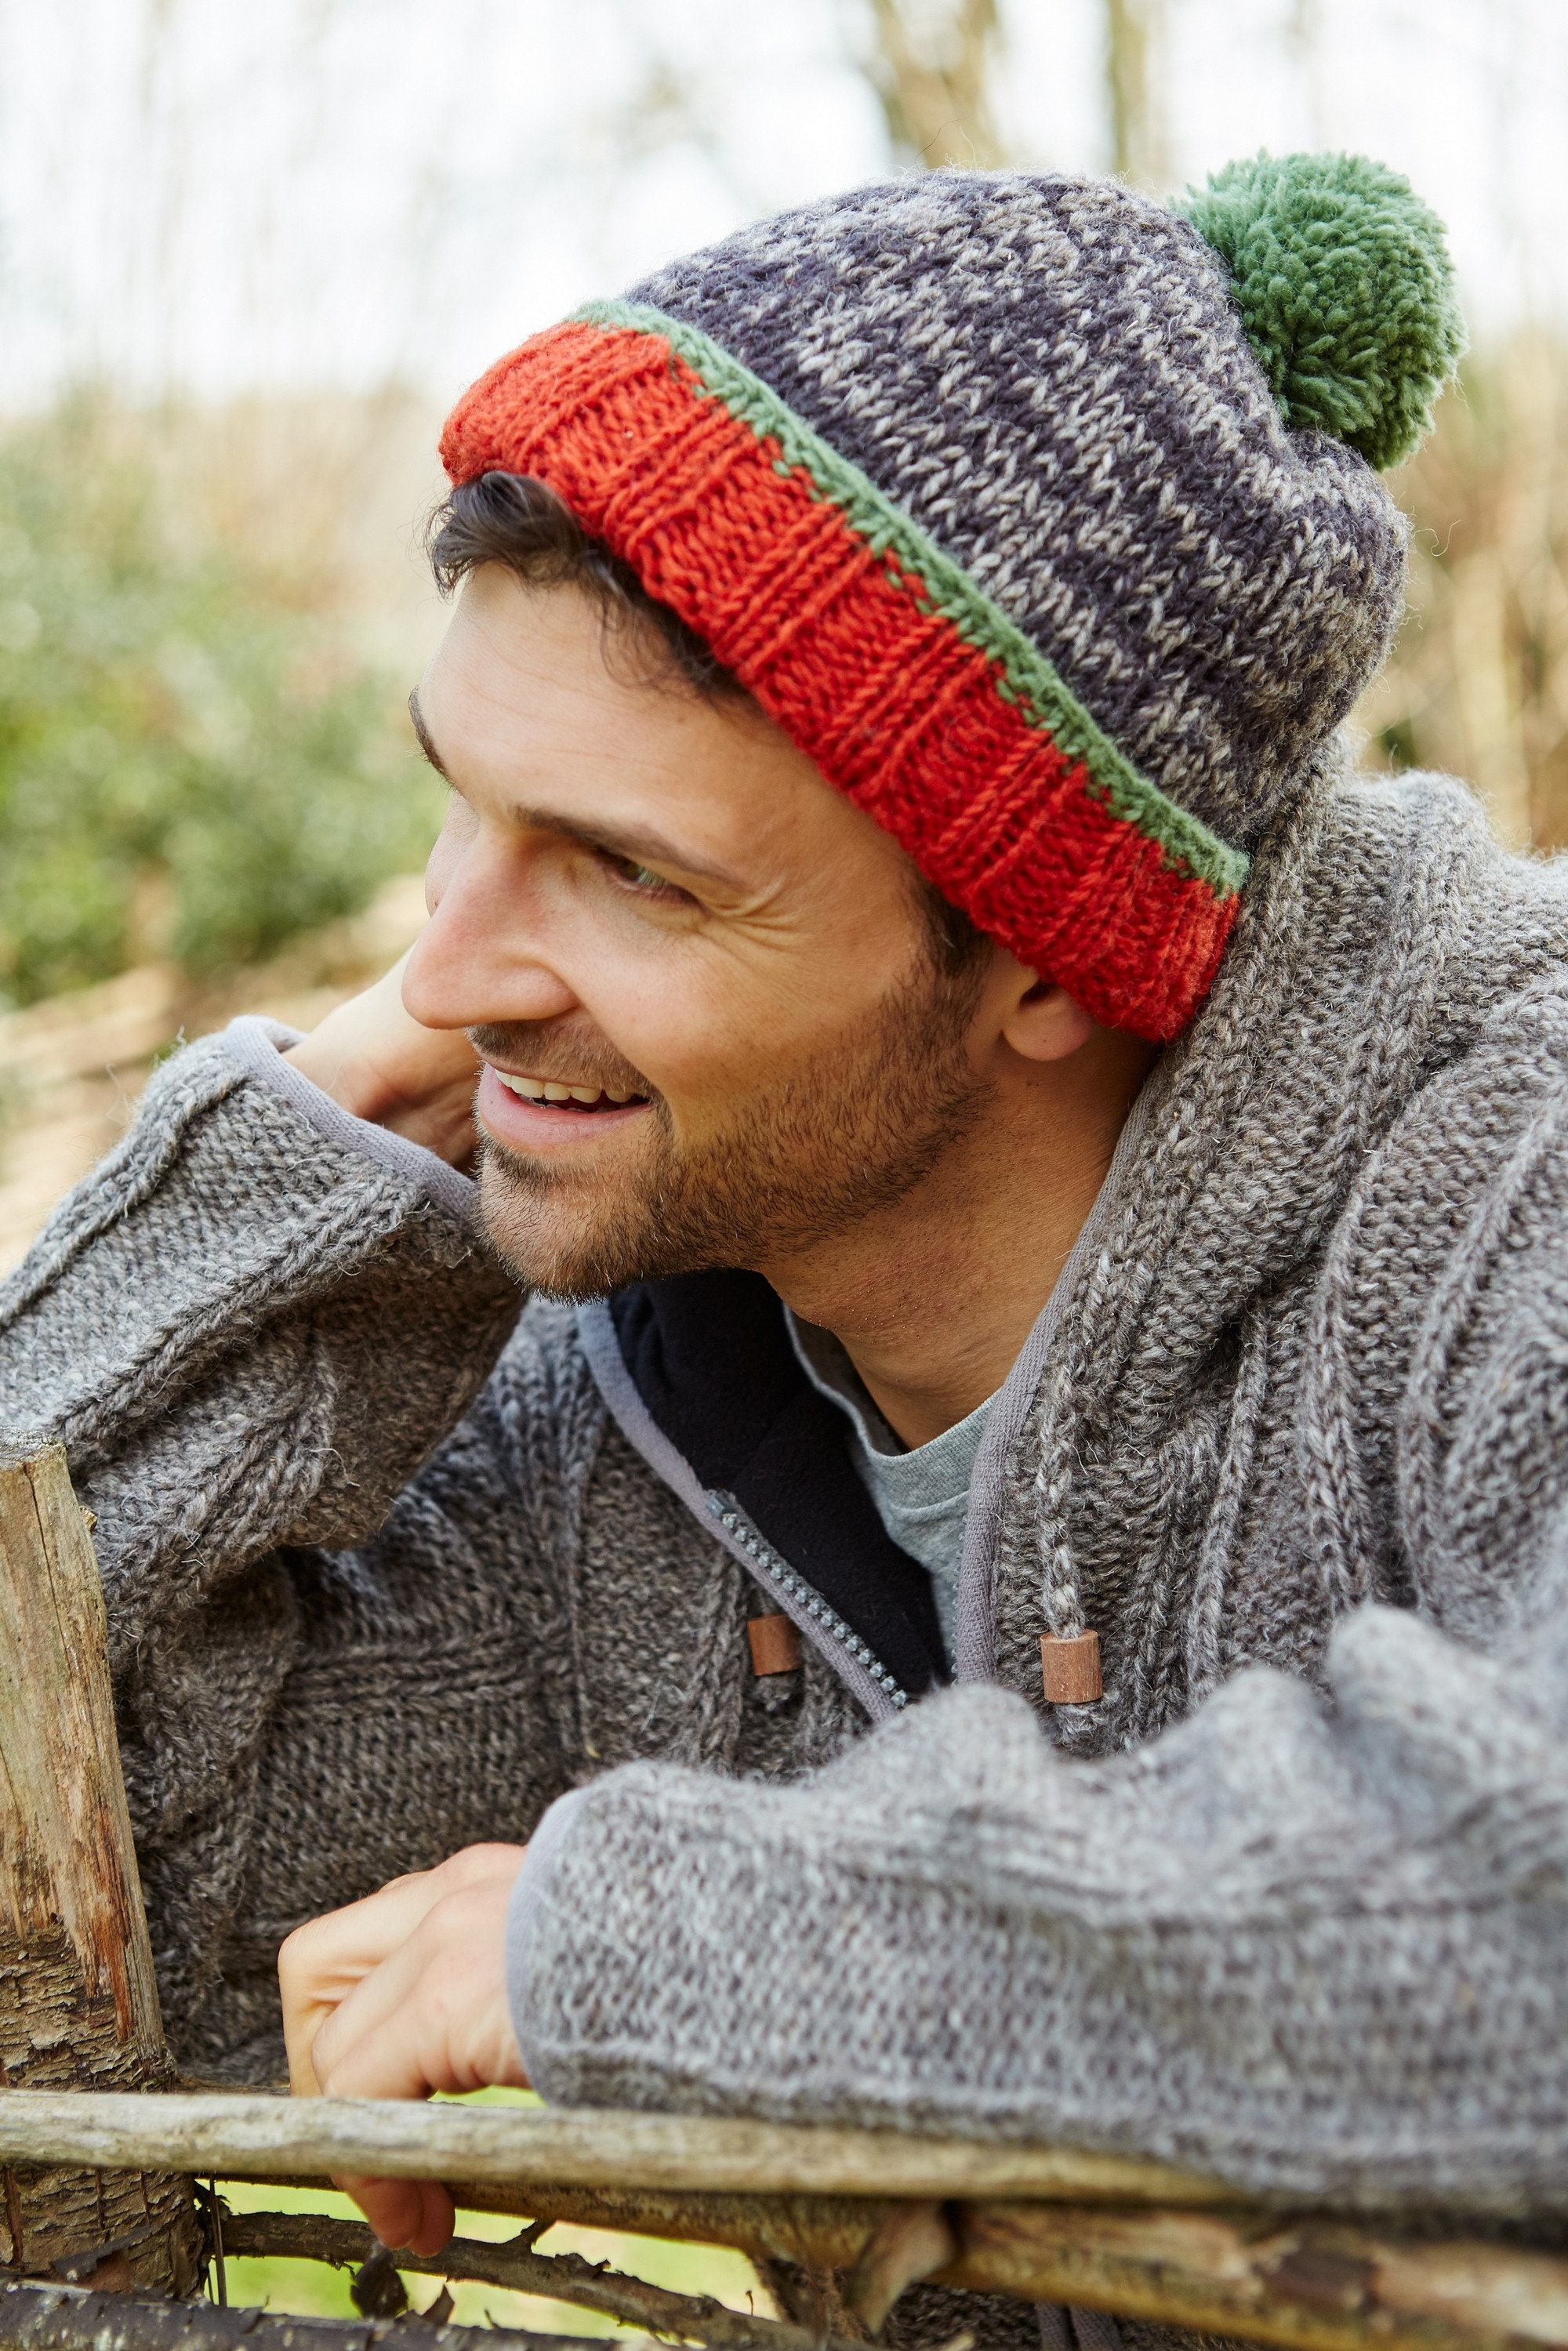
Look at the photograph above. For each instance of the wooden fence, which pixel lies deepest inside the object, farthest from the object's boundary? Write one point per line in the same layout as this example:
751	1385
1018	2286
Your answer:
107	2238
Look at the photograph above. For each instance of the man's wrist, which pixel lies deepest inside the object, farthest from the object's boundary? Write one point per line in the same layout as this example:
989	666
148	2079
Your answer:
522	1909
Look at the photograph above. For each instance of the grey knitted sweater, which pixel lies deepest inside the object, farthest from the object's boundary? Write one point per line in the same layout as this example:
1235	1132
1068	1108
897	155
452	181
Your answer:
391	1568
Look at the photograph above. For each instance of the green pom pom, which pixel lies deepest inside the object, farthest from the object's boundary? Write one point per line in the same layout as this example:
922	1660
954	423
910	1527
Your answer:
1345	289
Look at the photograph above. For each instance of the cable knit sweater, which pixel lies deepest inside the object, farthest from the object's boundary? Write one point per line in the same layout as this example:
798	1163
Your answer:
391	1568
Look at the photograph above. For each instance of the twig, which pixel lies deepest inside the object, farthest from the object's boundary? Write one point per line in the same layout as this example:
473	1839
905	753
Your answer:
1317	2285
560	2277
812	2232
1245	2267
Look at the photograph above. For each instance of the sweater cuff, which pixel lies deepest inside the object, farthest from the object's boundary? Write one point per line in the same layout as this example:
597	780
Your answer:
259	1045
528	1898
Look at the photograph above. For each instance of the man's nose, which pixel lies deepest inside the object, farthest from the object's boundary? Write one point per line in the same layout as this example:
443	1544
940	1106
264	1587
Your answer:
482	960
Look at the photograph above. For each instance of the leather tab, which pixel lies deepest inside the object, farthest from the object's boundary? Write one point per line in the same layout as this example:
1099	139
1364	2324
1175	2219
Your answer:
1071	1669
774	1645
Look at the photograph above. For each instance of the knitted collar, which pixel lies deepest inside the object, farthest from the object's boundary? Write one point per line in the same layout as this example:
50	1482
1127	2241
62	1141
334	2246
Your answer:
710	1358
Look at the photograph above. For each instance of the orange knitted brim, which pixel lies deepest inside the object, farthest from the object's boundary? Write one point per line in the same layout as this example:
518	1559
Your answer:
838	631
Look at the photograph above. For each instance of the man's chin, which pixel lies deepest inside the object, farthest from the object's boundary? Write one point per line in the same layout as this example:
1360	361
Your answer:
560	1243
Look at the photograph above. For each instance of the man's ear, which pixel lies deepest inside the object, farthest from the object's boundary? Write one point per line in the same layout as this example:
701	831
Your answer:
1042	1022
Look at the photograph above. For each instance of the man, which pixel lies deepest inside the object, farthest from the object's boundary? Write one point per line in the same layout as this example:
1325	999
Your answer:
1063	1190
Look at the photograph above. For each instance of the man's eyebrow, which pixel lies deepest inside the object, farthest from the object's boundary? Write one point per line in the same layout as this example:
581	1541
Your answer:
422	735
642	847
611	841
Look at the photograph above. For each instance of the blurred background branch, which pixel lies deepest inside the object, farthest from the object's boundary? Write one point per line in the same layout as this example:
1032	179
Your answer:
1479	680
931	65
1133	29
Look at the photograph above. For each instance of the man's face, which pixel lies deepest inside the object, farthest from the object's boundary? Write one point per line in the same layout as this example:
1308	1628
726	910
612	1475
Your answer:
698	979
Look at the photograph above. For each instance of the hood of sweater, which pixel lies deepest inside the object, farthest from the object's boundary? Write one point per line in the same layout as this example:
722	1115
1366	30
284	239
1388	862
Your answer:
1383	927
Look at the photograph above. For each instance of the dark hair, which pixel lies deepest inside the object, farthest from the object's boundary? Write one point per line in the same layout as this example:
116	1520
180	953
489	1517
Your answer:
512	518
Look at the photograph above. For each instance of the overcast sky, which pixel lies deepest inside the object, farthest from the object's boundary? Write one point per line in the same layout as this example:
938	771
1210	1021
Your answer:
212	197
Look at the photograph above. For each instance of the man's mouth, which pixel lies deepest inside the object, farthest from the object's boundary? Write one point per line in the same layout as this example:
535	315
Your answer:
558	1094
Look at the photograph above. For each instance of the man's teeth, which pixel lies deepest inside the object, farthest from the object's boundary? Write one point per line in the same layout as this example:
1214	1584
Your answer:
549	1090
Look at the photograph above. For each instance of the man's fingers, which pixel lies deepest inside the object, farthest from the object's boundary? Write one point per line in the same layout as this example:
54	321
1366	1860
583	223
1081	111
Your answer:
373	2044
400	1994
434	2015
301	2023
321	1962
414	2216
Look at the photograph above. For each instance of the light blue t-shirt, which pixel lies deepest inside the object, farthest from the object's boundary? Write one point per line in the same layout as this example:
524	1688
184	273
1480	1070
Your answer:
922	1491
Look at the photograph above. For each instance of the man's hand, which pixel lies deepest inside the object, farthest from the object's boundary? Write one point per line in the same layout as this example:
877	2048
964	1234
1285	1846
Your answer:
401	1994
383	1065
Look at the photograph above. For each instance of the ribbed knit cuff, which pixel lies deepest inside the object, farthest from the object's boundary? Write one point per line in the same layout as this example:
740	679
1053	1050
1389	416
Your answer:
259	1045
528	1896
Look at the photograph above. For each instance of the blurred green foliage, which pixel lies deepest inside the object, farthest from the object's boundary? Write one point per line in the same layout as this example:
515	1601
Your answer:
192	761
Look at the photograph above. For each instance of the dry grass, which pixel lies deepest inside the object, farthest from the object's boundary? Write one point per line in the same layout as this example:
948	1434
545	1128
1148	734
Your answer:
1478	683
72	1068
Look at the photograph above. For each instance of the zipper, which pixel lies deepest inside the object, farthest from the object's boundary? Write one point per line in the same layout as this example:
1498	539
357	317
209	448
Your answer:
850	1658
743	1531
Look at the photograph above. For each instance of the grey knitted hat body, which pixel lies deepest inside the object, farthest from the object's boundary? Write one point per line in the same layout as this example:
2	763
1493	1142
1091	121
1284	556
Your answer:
1051	378
983	484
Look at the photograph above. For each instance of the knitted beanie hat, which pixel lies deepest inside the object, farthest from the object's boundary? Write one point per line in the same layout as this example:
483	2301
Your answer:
1039	514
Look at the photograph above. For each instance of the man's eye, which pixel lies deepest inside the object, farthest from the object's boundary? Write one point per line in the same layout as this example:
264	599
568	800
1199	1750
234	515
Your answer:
643	877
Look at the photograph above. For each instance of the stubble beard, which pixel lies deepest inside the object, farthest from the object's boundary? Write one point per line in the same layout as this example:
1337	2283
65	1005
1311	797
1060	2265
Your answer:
800	1162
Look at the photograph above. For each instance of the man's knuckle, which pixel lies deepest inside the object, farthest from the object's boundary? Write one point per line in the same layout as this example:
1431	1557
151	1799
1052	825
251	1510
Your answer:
294	1953
459	1919
476	1863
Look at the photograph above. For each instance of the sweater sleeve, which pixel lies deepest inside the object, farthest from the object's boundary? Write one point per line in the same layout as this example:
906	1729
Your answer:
249	1325
260	1329
1310	1946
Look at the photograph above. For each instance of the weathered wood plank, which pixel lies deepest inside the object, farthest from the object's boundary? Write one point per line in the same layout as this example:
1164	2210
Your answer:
38	2318
1315	2285
247	2136
78	2004
1232	2268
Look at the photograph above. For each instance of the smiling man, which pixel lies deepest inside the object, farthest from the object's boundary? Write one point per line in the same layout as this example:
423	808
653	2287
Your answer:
1009	1573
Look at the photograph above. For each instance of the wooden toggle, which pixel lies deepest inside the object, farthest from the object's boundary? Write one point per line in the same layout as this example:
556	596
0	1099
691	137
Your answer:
774	1645
1070	1670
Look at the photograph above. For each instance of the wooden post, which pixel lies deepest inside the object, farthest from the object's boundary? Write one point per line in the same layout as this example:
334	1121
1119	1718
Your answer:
79	2004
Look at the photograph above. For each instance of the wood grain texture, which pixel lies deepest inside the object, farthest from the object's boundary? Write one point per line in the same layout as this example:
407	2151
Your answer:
1316	2285
247	2135
815	2232
37	2317
78	2003
1215	2262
